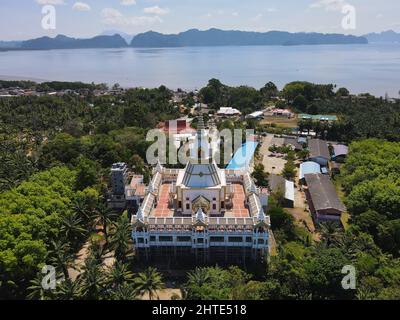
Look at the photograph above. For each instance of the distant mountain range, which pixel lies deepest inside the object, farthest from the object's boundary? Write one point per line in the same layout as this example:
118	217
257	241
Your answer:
10	44
387	36
64	42
127	37
216	37
190	38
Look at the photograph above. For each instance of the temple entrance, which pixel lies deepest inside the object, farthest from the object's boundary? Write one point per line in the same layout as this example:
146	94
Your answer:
201	202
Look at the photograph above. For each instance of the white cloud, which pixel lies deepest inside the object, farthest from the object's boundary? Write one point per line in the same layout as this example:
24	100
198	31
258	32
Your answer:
51	2
270	10
81	6
156	10
328	5
114	17
128	2
235	14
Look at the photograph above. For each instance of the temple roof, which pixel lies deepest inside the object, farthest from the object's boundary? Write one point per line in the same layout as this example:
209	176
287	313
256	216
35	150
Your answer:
201	176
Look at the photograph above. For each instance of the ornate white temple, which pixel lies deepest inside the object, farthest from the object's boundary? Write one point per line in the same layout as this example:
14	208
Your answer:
202	212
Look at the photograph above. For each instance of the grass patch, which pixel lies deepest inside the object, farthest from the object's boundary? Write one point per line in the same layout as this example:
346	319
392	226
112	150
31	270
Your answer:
281	122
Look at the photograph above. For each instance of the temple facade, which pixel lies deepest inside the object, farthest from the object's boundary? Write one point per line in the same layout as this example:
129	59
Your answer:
201	213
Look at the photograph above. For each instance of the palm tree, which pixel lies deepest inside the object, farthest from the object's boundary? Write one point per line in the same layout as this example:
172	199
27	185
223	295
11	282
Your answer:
119	275
36	290
124	292
61	257
69	290
103	216
72	228
149	282
198	277
330	233
93	279
364	294
120	241
82	210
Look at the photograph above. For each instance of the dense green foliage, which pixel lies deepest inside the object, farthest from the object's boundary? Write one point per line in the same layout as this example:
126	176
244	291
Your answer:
371	179
30	218
307	91
360	118
72	139
245	99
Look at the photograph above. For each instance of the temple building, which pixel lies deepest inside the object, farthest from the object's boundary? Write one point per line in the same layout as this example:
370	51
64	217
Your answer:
201	214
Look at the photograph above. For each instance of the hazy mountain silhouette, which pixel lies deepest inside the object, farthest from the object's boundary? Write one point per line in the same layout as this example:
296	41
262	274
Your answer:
216	37
64	42
192	38
385	36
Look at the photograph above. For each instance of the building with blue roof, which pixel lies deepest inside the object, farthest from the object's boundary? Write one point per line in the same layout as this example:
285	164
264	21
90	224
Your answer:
308	167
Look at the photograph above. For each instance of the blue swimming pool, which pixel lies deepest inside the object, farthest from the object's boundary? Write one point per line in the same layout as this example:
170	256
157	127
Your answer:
243	156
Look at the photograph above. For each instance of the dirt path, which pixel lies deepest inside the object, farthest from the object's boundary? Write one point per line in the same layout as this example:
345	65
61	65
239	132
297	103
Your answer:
79	262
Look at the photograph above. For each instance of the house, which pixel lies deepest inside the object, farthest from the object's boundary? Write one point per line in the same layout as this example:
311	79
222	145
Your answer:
280	184
322	198
308	167
293	142
258	115
319	152
286	113
340	152
228	112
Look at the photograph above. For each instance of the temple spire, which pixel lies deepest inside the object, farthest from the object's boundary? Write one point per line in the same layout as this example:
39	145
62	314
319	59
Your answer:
159	168
261	215
201	153
200	216
139	214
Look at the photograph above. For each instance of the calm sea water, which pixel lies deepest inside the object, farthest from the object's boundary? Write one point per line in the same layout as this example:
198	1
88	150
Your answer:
361	68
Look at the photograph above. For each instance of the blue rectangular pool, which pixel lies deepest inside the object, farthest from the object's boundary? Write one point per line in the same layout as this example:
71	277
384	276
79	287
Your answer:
243	156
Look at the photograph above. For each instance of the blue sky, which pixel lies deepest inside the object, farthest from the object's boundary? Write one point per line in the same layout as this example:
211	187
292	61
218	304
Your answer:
21	19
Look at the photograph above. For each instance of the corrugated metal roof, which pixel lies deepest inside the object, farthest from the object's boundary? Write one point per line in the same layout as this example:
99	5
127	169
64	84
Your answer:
323	193
318	148
340	150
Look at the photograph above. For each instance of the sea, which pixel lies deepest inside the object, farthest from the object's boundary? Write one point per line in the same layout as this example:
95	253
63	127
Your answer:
372	68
